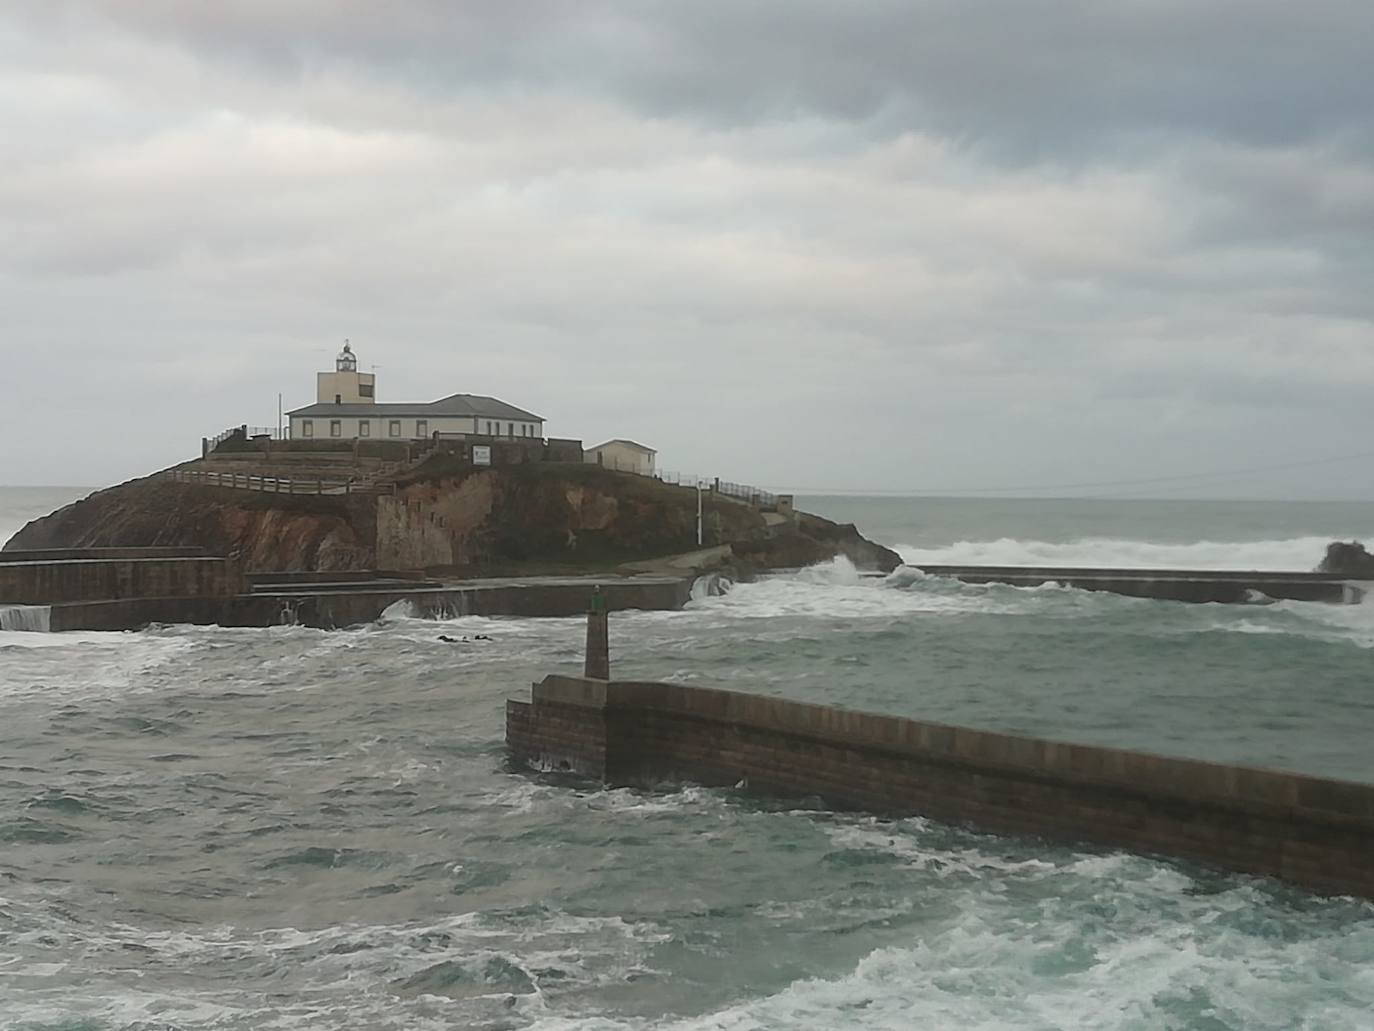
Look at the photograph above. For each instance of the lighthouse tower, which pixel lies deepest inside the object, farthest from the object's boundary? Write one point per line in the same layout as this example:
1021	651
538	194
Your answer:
346	385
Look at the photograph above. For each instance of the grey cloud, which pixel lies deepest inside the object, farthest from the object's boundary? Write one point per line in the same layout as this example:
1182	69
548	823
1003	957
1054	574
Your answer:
1029	78
1300	198
882	243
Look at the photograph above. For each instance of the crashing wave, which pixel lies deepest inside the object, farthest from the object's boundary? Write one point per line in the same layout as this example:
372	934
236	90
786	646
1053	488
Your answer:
904	576
1290	554
31	618
398	610
839	572
711	585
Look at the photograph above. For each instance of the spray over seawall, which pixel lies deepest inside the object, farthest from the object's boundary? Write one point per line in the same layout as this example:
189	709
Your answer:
1292	554
31	618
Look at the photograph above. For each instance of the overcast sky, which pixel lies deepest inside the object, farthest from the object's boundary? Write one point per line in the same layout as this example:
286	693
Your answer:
929	244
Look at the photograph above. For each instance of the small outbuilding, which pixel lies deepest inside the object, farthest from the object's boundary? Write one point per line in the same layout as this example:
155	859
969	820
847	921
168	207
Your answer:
623	455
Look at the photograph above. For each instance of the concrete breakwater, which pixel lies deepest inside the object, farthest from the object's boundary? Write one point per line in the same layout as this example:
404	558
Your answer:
1191	585
127	588
1313	832
76	576
328	606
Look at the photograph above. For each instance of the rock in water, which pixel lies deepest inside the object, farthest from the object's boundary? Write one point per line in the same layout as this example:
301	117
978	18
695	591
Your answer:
1347	558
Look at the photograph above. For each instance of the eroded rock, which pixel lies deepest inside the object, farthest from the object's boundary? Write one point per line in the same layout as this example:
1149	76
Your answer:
1347	558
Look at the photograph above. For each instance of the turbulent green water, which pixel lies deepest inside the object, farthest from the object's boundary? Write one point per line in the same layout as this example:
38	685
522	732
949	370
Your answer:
286	828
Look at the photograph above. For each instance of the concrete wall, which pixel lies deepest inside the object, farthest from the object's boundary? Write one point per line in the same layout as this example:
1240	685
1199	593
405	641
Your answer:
332	609
562	449
99	579
501	450
1201	586
53	554
339	455
622	457
1307	830
318	446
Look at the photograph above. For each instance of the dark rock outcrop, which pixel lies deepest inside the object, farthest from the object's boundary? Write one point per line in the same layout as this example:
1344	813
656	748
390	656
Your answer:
446	517
810	541
263	531
1347	558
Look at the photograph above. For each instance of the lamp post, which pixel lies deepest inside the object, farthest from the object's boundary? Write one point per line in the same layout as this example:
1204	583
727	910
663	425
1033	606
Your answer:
698	513
597	662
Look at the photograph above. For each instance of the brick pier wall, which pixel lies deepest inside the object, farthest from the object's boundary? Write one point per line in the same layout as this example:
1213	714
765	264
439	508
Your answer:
1311	831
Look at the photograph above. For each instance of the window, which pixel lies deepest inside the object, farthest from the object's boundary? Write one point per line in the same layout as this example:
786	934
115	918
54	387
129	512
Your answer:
488	427
364	427
510	429
307	427
338	399
335	428
394	427
422	427
366	390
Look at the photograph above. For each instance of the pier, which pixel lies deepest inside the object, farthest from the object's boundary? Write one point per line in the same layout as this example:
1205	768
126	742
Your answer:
130	588
1310	831
1231	587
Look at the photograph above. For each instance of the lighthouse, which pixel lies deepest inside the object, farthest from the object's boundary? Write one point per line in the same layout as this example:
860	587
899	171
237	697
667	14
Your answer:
346	385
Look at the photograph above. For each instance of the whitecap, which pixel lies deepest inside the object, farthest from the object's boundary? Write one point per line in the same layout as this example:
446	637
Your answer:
1286	554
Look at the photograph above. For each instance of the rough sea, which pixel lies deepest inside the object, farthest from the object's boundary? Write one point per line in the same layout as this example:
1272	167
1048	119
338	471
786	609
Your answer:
297	829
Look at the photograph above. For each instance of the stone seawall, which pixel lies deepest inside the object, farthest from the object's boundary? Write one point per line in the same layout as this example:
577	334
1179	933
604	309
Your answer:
129	588
1307	830
1228	587
331	609
55	554
55	581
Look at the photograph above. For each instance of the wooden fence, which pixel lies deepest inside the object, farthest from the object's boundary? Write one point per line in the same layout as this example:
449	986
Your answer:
275	484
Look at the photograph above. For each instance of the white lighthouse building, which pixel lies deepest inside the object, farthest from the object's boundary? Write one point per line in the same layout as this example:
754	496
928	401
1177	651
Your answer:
346	408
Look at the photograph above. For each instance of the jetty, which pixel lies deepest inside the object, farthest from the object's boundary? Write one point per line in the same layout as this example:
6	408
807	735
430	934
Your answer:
1309	831
131	588
1231	587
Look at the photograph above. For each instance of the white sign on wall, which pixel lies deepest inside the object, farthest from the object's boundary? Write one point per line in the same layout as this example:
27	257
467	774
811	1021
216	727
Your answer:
481	454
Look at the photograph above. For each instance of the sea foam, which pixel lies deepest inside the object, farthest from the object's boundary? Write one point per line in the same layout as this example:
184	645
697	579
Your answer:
1288	554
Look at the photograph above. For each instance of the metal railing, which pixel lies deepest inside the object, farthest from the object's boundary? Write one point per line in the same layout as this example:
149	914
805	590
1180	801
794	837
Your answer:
750	495
744	492
223	435
247	433
274	484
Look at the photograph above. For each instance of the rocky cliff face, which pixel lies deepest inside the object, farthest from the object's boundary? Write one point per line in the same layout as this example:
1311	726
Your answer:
566	516
264	531
452	518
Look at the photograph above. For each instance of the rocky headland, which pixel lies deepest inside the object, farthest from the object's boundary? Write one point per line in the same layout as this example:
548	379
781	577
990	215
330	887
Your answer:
452	519
1347	558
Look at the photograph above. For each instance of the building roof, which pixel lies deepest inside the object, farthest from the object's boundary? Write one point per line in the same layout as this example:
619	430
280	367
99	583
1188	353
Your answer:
627	443
459	405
